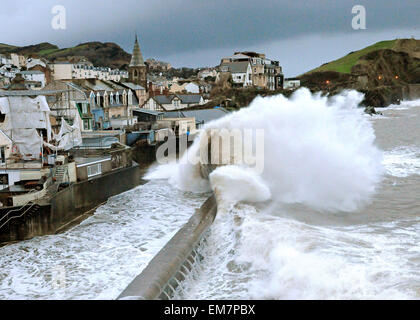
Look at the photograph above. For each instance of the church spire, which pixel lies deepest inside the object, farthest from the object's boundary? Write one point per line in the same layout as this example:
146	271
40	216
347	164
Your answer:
137	58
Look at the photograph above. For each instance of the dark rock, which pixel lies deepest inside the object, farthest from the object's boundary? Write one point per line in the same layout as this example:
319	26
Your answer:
370	110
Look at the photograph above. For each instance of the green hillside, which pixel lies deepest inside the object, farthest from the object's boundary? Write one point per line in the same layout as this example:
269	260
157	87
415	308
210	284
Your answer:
4	46
100	54
344	64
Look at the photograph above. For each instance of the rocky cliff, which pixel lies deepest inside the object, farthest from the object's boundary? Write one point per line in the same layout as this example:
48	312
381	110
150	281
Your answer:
384	72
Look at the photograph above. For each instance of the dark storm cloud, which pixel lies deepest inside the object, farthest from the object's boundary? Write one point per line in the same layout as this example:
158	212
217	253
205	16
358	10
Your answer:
178	26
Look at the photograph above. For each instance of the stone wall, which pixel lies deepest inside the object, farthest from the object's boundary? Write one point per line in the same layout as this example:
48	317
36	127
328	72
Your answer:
170	266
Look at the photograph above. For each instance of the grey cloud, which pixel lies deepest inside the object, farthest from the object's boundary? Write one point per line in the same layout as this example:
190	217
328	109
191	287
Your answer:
180	27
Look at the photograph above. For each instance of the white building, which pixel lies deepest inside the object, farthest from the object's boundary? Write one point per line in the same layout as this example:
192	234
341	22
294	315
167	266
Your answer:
34	76
290	83
202	74
5	60
241	72
68	71
18	60
22	117
192	87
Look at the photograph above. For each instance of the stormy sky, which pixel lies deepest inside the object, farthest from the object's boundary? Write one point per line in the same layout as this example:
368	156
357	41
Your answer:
301	34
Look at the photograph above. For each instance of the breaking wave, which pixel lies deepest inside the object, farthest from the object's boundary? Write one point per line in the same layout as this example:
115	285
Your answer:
404	105
318	151
402	161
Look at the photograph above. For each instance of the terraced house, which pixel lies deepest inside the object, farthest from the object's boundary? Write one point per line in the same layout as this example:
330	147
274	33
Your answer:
111	103
99	104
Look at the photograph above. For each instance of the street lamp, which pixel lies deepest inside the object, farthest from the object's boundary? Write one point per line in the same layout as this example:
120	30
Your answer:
328	85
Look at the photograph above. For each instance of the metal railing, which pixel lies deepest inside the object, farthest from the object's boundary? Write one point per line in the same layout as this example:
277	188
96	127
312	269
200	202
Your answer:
16	210
65	173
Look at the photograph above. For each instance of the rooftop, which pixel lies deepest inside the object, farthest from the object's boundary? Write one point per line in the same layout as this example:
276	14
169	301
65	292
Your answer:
236	67
185	98
147	111
21	93
132	86
204	115
31	72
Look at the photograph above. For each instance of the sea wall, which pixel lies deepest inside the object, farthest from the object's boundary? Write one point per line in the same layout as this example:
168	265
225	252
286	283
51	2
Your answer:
66	205
170	266
143	153
27	222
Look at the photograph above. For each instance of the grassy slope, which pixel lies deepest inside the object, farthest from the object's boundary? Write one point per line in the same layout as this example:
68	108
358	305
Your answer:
69	51
6	46
345	63
46	52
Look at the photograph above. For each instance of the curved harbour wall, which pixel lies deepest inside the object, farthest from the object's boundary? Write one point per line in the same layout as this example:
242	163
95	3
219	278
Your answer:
170	266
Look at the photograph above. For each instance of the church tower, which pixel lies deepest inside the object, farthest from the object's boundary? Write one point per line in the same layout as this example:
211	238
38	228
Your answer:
137	70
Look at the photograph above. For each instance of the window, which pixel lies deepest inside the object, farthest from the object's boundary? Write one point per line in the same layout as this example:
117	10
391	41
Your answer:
86	124
2	154
4	179
106	100
130	98
94	170
124	97
92	100
84	108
